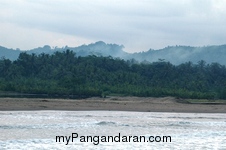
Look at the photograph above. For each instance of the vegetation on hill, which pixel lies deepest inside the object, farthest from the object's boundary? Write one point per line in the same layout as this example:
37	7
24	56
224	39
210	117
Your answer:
176	55
64	73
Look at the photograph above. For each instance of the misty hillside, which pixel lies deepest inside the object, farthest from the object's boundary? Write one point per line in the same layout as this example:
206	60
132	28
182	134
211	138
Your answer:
180	54
9	53
174	54
99	49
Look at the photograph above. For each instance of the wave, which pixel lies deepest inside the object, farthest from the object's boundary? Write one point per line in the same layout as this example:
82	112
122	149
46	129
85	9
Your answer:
106	123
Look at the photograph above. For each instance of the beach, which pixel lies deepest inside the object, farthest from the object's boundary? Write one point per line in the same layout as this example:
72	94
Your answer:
141	104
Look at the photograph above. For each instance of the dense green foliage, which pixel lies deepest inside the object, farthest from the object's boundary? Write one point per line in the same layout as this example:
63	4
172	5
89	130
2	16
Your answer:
65	74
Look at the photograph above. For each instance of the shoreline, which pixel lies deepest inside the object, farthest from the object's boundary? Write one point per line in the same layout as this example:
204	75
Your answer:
139	104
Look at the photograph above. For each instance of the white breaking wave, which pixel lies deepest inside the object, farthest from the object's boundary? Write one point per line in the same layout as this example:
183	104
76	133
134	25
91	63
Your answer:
38	129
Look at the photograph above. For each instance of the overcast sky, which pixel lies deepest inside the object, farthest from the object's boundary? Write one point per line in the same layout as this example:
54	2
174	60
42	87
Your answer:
137	24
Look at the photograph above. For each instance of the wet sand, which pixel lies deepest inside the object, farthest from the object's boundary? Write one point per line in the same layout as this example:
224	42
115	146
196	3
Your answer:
149	104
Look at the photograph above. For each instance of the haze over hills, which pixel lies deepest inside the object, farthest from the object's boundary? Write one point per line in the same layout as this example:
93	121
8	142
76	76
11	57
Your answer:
174	54
180	54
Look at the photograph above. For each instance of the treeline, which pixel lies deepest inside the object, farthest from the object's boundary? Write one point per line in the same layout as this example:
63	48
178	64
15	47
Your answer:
63	73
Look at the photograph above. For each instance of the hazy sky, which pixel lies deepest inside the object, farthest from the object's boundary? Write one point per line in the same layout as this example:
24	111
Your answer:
137	24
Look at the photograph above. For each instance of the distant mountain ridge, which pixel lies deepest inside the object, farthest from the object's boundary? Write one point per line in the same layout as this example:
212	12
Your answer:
174	54
180	54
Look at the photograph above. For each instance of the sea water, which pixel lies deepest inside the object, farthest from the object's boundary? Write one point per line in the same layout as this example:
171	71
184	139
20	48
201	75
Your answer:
39	129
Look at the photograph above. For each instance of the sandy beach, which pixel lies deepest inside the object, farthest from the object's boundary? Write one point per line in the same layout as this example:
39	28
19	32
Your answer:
149	104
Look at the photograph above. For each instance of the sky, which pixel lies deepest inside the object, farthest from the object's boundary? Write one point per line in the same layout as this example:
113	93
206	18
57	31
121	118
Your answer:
139	25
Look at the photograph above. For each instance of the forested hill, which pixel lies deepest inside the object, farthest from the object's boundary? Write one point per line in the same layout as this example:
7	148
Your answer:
181	54
98	49
65	73
174	54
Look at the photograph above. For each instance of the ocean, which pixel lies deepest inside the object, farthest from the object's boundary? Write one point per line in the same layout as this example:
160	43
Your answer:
111	130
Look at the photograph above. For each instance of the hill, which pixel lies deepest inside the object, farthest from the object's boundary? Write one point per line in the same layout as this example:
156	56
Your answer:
173	54
181	54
